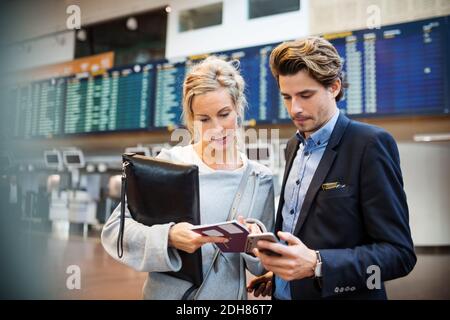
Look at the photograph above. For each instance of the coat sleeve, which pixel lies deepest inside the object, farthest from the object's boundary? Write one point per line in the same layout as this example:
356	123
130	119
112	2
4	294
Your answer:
145	248
385	214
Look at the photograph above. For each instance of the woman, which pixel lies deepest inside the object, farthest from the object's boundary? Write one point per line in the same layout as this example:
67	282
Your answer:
213	106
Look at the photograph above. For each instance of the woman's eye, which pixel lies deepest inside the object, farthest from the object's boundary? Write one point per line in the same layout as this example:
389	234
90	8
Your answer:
224	115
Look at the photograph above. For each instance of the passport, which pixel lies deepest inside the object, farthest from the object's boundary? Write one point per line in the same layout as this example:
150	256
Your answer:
235	232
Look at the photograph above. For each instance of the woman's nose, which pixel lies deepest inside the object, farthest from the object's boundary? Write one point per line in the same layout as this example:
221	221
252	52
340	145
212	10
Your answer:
217	126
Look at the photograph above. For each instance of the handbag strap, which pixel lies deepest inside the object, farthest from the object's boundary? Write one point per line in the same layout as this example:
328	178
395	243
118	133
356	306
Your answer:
240	191
231	215
122	210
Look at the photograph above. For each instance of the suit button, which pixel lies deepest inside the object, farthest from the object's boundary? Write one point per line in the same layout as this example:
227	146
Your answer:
347	289
352	288
341	289
336	289
297	182
306	153
292	211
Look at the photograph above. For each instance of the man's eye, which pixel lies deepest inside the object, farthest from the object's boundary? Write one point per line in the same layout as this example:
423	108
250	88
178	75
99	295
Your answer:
286	98
306	97
203	120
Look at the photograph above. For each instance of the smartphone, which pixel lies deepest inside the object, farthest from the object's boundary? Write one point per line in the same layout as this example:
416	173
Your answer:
252	240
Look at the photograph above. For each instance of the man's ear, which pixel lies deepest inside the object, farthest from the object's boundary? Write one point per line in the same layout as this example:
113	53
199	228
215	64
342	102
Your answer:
335	87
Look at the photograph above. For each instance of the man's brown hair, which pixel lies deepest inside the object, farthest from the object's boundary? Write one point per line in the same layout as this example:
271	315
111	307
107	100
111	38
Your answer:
315	55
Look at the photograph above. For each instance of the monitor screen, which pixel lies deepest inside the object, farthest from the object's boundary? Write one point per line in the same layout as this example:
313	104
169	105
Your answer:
52	158
73	159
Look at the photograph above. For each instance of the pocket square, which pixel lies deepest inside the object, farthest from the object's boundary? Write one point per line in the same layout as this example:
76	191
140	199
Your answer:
332	185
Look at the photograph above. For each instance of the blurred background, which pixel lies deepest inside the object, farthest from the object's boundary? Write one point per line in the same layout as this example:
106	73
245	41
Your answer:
84	81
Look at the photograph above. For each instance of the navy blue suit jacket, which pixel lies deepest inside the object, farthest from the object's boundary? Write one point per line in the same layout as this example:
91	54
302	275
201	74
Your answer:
363	224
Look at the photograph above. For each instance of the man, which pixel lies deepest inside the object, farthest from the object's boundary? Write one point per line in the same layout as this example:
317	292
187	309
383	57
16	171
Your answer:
342	217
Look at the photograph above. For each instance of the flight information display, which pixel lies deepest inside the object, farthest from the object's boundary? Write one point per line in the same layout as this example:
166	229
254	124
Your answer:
263	97
398	69
116	100
35	109
169	94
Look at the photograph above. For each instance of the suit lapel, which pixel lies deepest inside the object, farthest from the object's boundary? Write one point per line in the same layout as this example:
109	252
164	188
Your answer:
322	170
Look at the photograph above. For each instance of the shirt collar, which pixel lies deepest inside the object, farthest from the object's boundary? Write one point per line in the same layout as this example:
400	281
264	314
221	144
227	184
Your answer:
322	135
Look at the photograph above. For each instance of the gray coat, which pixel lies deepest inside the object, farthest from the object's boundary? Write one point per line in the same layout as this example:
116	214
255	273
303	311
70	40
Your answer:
146	248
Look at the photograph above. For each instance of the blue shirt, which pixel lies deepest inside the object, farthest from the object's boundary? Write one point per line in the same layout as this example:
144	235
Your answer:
306	161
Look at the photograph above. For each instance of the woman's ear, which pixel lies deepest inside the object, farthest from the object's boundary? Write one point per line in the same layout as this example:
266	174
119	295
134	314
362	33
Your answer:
239	121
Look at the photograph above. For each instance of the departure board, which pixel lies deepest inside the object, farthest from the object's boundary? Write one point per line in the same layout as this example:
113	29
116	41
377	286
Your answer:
36	108
261	88
261	91
119	99
398	69
250	69
169	94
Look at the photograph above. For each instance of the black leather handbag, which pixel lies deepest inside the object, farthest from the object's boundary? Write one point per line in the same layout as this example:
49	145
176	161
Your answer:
160	192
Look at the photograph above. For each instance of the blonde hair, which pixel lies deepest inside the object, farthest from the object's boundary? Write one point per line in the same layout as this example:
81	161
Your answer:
209	75
315	55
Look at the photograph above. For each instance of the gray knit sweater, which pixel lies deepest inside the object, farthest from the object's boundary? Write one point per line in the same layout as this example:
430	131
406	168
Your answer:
146	248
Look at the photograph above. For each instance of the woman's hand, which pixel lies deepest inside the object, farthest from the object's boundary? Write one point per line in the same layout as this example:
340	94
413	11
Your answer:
261	285
183	238
252	227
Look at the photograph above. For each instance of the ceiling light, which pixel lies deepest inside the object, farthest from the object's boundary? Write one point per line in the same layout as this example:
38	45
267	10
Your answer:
132	23
81	35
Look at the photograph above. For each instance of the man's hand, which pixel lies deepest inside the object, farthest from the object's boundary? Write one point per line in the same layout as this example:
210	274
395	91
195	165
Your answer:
296	261
183	238
261	285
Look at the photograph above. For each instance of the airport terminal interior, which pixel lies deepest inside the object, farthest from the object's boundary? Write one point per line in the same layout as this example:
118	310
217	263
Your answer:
93	79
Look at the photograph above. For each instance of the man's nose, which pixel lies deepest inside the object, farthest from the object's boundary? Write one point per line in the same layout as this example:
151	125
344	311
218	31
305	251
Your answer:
296	106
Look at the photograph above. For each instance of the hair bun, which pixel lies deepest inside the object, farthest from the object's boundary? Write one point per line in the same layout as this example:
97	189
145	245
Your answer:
235	63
